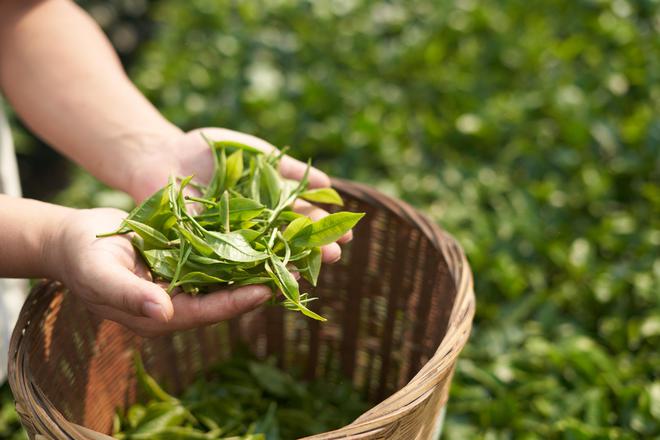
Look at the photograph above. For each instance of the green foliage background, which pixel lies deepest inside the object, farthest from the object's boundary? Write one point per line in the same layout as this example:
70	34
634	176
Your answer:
529	130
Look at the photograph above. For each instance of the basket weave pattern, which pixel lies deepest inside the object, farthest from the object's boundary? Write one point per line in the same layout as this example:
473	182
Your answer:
399	306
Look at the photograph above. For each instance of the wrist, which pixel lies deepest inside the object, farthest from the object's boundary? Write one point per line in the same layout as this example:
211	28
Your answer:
30	242
150	163
53	242
128	155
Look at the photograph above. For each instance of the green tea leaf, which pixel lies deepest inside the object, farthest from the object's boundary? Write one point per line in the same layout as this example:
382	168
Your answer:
271	379
198	243
151	236
158	416
148	384
255	179
295	227
223	207
184	252
288	285
323	195
238	145
234	168
311	266
176	433
252	280
284	279
326	230
233	247
218	180
198	278
135	415
151	208
289	216
242	209
270	185
162	262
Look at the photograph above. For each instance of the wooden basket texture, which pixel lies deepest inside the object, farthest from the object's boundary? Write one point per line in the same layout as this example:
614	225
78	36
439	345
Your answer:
399	306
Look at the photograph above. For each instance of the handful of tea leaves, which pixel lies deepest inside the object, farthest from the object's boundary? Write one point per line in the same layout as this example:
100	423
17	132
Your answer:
240	398
242	229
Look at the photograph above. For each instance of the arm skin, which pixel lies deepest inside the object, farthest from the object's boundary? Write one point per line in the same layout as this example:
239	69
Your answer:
64	80
62	77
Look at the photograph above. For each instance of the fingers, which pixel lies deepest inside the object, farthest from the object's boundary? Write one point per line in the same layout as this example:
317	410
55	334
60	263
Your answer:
289	167
192	311
119	288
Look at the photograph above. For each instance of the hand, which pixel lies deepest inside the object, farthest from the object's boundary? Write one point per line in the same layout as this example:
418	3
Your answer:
187	153
112	280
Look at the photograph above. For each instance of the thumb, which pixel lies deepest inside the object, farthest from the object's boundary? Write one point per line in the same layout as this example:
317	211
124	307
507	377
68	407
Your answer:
127	292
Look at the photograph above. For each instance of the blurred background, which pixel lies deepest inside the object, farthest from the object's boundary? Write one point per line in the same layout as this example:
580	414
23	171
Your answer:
528	130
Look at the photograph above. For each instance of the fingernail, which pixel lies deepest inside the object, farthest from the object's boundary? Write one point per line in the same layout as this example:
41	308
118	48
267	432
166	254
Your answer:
155	311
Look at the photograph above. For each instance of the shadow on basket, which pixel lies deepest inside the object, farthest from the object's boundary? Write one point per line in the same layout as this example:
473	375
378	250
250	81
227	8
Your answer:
399	306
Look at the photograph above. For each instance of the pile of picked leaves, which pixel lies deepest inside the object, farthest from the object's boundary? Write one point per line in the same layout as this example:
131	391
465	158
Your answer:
239	399
240	229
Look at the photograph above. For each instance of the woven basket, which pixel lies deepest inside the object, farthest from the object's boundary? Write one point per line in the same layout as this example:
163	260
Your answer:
399	306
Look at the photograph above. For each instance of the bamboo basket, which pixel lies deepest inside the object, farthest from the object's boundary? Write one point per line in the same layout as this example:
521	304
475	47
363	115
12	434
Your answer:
399	306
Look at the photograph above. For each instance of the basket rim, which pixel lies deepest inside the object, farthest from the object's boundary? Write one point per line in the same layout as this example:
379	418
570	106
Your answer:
31	400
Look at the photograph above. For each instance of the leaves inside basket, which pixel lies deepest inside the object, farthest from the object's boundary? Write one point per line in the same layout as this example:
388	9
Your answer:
239	399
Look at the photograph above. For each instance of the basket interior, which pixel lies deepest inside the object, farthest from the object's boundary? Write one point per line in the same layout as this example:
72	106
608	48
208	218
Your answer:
387	301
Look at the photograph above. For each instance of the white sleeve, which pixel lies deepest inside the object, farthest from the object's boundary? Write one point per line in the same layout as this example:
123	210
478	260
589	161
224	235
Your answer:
12	292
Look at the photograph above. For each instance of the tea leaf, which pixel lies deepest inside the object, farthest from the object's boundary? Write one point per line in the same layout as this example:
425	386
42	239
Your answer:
295	227
184	253
252	280
158	416
242	209
149	384
198	278
217	183
234	168
199	244
238	145
326	230
311	266
149	211
151	236
270	185
289	216
223	207
161	262
323	195
233	247
289	287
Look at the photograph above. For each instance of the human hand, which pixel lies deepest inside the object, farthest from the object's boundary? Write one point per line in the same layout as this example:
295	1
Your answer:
187	153
112	280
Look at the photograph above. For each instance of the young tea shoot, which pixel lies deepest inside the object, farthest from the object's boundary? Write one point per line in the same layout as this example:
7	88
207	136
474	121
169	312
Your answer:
238	229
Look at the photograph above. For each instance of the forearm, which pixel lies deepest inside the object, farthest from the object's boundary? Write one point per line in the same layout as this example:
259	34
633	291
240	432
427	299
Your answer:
64	80
29	230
